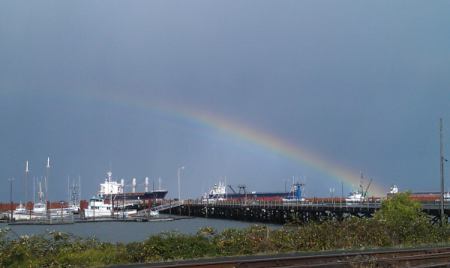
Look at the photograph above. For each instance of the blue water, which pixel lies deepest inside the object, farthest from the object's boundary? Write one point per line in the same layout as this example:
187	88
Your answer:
128	231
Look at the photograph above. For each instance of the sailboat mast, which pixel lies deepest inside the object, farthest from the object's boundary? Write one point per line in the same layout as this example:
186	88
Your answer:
34	190
26	182
68	189
110	193
79	188
40	192
46	180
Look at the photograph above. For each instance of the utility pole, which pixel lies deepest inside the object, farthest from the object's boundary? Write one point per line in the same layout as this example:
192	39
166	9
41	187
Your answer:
443	220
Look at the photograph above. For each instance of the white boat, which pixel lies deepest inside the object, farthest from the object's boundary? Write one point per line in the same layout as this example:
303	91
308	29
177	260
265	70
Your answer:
21	213
20	209
97	208
39	208
359	195
295	195
355	197
394	189
73	209
216	193
73	196
447	196
154	213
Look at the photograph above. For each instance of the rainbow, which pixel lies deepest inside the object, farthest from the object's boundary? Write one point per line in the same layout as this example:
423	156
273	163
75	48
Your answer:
244	132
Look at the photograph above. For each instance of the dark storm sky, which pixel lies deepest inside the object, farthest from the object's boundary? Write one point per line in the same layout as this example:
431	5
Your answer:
360	83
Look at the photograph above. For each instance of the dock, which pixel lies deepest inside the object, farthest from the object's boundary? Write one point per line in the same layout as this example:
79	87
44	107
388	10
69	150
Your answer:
281	213
95	220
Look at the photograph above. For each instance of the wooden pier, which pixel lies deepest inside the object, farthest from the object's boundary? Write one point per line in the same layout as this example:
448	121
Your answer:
281	213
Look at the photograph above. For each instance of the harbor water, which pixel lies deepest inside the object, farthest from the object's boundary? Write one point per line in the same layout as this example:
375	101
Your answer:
126	232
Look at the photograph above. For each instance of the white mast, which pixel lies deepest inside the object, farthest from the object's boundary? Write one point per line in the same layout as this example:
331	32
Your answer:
79	188
110	192
40	193
225	194
34	190
68	189
46	180
361	182
146	184
26	182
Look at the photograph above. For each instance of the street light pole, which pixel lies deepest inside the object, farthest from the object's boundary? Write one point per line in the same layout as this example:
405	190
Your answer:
179	184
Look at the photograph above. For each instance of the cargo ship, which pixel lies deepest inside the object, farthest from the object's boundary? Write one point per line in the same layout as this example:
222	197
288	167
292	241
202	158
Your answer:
423	197
219	193
112	189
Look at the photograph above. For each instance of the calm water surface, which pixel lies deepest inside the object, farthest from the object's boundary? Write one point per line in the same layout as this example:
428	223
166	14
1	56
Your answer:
130	231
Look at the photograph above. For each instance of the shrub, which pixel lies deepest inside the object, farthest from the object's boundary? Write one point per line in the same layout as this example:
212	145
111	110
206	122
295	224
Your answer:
405	222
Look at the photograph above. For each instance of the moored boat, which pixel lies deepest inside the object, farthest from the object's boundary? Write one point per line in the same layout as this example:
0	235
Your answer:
295	194
219	193
98	208
112	189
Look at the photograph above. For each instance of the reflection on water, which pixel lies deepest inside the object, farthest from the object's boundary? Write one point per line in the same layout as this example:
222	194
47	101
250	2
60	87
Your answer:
130	231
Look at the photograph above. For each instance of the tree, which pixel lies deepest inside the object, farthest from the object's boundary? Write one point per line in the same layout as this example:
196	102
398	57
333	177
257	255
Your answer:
405	221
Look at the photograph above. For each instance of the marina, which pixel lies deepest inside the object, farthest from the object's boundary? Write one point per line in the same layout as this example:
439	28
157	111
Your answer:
112	204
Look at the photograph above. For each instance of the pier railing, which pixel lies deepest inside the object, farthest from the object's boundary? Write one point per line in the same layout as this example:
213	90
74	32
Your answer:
272	203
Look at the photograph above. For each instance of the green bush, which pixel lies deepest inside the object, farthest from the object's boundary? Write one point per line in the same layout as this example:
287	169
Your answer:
405	222
173	245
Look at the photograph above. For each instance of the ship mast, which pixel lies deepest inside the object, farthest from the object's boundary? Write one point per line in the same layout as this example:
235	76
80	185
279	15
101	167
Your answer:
40	193
79	187
68	190
26	182
46	182
110	193
34	190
